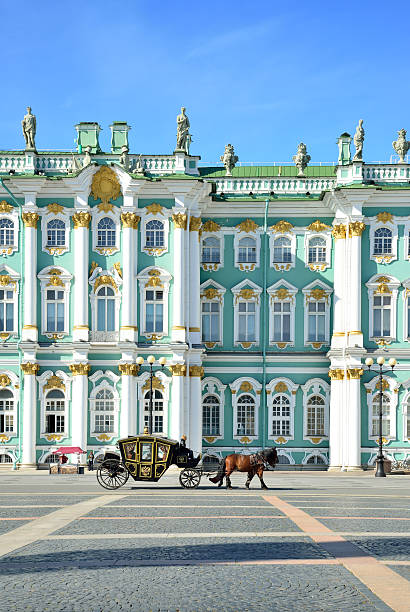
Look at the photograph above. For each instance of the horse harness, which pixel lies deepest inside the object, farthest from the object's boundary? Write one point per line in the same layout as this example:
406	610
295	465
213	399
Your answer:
257	460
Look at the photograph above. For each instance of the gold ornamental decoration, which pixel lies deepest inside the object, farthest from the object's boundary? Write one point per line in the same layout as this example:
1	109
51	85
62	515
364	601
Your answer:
94	265
54	382
385	384
356	228
30	219
282	294
354	373
154	280
318	226
179	369
247	294
336	374
196	370
247	226
55	208
5	207
384	217
105	279
383	289
156	384
246	386
317	294
130	219
30	368
339	231
105	207
105	185
5	280
117	267
155	209
128	369
4	380
195	224
180	220
211	226
81	219
281	387
281	440
55	280
79	369
210	293
245	440
282	227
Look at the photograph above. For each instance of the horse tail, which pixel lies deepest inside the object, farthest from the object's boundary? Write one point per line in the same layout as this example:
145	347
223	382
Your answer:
221	472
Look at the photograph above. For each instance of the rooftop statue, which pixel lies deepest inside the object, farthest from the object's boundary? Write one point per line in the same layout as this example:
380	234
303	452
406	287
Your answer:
183	135
124	159
29	129
229	159
301	159
358	140
139	166
401	145
87	156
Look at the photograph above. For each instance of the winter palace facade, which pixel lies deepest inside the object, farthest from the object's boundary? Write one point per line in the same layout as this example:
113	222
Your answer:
264	287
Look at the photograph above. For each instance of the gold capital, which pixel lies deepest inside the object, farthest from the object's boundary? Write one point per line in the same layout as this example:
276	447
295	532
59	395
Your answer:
195	224
128	369
30	368
357	228
30	219
180	220
130	219
196	370
79	369
81	219
336	374
179	369
339	231
354	373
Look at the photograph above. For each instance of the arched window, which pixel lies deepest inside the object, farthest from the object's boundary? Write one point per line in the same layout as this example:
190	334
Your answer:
245	416
385	415
105	309
382	241
55	308
6	233
157	411
282	250
283	459
315	460
6	411
211	416
6	310
55	412
52	458
154	234
104	411
315	416
106	233
317	250
281	416
6	459
56	233
247	250
211	251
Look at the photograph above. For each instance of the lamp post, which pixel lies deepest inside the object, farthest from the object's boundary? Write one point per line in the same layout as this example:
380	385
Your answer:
151	360
380	458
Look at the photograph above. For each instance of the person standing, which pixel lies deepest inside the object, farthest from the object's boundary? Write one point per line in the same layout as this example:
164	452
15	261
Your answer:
90	461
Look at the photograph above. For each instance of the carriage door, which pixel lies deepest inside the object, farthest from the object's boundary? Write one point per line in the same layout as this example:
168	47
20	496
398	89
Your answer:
146	459
161	458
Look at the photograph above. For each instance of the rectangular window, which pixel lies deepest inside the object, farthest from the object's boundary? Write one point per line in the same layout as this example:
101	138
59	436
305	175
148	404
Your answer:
55	311
210	322
381	315
104	423
54	423
6	311
281	321
245	420
316	321
315	421
6	423
154	311
246	322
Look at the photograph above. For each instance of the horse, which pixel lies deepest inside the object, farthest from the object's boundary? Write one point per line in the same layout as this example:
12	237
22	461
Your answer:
253	464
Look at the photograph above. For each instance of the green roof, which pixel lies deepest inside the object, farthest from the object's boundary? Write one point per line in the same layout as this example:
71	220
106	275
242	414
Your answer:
266	171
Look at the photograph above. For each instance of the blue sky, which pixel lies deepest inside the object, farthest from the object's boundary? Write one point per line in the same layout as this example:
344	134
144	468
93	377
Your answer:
261	75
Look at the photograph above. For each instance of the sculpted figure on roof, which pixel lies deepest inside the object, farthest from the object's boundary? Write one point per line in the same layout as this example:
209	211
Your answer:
183	135
401	145
358	142
29	129
229	159
301	159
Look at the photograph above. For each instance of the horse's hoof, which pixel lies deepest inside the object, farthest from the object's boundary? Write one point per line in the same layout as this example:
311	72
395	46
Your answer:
265	487
229	488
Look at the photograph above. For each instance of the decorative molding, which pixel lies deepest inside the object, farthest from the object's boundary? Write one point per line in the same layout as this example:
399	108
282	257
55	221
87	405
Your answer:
128	369
178	369
247	294
384	217
180	220
356	228
196	370
105	185
30	219
246	386
211	226
30	368
354	373
79	369
81	219
156	384
155	209
195	224
339	231
280	387
5	207
4	380
105	279
154	279
54	382
336	374
55	208
247	226
282	227
318	226
117	266
130	220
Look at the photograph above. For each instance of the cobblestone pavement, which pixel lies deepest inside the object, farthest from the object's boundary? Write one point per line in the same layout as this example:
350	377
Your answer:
313	542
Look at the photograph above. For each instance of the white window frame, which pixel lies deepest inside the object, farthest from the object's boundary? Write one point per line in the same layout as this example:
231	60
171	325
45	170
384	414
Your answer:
11	213
406	306
326	235
104	385
213	266
245	386
406	410
154	277
281	292
11	283
390	223
391	391
312	292
161	214
273	236
383	284
276	387
316	386
246	287
406	241
98	213
212	386
58	279
211	291
61	215
238	236
14	387
44	388
105	278
143	381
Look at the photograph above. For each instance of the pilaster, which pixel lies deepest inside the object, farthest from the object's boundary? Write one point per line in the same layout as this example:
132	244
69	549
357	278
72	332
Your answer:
128	413
79	403
30	219
129	329
29	369
196	372
177	420
194	281
178	332
339	285
355	336
81	220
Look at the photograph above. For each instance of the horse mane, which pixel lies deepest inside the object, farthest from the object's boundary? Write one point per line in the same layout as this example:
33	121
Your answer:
268	452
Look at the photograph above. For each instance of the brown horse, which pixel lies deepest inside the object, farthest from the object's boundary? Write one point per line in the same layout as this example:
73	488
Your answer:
253	464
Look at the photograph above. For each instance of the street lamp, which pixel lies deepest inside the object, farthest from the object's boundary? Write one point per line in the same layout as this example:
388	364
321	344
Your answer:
380	362
151	360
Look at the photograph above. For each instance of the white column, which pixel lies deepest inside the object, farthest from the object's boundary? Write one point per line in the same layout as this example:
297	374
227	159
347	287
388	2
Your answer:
195	408
178	326
128	412
194	281
81	220
30	219
129	329
79	403
355	283
336	429
339	297
28	458
353	460
177	424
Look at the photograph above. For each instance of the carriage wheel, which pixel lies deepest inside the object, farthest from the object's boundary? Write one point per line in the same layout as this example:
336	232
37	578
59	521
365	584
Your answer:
112	474
190	478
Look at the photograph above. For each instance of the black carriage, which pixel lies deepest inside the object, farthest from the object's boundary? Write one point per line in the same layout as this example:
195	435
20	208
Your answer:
146	458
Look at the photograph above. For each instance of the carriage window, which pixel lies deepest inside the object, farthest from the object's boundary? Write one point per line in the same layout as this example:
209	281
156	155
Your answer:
129	450
162	452
245	416
146	451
